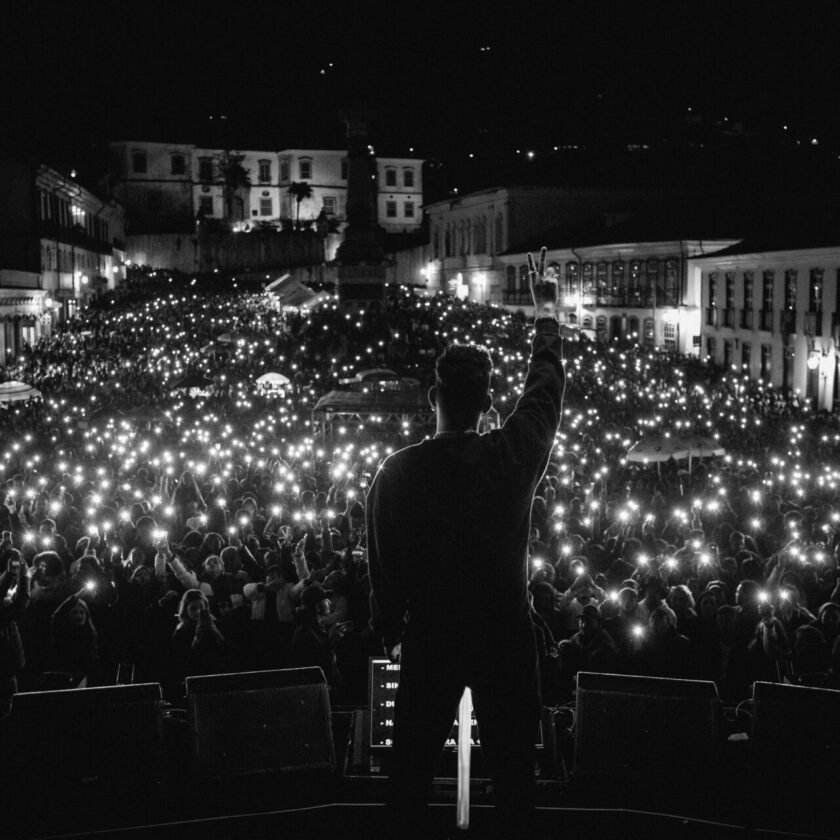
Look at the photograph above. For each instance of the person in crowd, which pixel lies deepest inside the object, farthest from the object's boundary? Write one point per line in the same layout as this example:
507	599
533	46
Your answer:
313	643
14	599
197	645
590	649
75	642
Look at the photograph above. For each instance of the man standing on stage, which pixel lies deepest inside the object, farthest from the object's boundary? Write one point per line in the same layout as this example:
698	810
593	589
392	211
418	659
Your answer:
447	530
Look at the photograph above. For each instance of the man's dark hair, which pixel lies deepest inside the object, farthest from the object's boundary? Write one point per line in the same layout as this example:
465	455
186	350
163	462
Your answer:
462	376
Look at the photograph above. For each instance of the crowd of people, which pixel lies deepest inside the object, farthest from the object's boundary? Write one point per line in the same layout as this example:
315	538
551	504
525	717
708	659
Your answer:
164	515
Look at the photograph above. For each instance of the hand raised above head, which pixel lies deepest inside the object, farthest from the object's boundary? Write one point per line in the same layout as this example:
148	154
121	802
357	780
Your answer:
544	285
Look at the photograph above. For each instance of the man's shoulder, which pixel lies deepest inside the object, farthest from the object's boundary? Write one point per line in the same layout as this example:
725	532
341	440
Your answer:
406	455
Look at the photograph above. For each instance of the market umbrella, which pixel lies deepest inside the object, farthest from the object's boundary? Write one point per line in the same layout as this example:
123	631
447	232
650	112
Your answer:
195	384
14	391
273	380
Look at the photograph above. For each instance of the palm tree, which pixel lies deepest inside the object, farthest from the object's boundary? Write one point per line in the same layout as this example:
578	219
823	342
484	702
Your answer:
234	177
300	190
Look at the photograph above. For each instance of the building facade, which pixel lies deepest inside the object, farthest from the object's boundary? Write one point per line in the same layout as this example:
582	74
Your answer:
60	244
470	234
165	188
775	316
647	292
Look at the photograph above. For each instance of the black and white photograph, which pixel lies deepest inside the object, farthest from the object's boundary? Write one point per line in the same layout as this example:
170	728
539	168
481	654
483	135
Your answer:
420	420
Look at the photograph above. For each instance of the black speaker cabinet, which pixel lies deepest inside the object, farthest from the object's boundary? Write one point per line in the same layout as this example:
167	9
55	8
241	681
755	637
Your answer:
646	731
261	722
88	734
795	757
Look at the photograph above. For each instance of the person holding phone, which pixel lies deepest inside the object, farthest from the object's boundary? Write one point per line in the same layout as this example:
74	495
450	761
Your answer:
448	522
198	646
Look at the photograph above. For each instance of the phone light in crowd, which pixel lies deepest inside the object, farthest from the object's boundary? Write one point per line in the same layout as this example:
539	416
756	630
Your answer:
623	515
90	585
763	597
819	557
642	559
695	544
28	536
159	534
638	630
169	511
713	505
93	530
46	541
649	517
538	562
579	570
705	559
115	549
566	549
784	595
613	596
330	513
756	524
203	518
671	563
275	510
220	501
232	530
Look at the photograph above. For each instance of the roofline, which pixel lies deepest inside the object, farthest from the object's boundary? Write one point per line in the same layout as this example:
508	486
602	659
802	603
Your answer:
657	243
775	254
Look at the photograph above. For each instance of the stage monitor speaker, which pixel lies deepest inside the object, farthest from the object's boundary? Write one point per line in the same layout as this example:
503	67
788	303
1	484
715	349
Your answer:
261	722
630	730
795	757
87	734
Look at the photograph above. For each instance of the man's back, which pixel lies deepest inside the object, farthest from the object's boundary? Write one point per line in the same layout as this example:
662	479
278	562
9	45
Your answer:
448	518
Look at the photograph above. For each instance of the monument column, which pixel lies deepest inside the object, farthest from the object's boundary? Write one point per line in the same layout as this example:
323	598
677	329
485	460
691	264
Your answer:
361	257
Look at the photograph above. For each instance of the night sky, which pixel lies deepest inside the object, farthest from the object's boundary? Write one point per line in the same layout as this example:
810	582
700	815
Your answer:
448	80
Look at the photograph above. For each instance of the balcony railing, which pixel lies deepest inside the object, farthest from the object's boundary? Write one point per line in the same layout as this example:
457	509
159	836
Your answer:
729	317
711	316
746	319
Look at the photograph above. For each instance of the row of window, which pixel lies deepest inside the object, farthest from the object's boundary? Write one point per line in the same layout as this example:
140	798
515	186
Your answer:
468	237
816	289
745	362
58	210
266	206
642	283
68	261
207	169
391	209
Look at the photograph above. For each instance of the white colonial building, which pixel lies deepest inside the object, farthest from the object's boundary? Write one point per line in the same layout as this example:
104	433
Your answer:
60	244
166	187
774	314
471	234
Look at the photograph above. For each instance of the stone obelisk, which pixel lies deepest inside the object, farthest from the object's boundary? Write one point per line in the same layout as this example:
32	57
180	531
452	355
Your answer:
361	258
